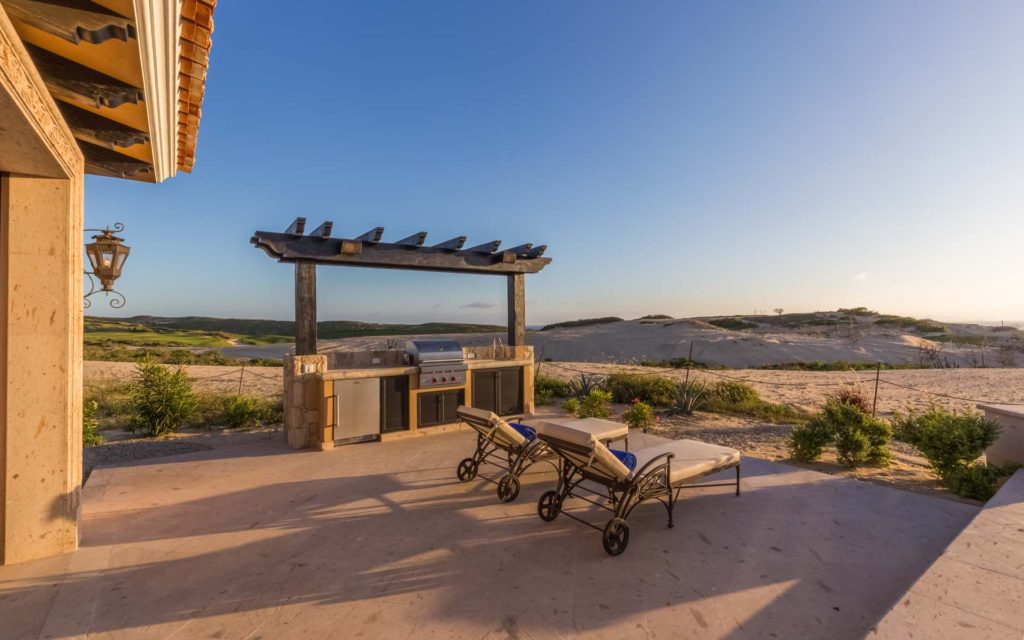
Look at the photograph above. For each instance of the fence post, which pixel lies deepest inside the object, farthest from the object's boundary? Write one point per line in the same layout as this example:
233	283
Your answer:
689	362
241	374
874	403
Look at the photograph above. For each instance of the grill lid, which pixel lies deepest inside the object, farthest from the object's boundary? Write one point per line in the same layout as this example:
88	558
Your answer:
434	351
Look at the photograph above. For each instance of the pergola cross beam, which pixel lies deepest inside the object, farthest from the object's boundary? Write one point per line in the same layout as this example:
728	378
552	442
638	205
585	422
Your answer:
411	253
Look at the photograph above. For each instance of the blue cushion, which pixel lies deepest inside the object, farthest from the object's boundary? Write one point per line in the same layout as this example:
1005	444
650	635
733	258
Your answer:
527	432
625	458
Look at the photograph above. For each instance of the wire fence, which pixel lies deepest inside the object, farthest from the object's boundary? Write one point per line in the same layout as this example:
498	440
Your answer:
858	377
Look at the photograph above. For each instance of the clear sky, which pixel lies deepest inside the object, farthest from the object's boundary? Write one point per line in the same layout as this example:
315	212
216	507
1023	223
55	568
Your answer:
677	157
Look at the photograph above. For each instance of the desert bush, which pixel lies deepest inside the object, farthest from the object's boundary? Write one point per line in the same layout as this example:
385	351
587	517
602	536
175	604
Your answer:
949	440
733	324
546	388
859	438
161	400
639	415
739	398
241	411
595	404
572	405
690	396
807	441
979	481
851	396
91	435
583	384
113	404
734	393
654	390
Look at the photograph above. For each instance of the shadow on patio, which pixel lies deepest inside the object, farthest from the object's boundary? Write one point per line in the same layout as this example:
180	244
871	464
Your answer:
380	540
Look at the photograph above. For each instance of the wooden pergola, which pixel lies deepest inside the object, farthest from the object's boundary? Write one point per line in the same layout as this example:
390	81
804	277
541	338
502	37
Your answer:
307	251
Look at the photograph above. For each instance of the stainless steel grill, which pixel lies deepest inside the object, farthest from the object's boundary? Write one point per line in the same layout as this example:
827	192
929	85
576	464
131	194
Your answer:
442	363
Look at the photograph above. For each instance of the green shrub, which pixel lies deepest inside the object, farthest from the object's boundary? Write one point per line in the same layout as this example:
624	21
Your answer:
91	435
807	441
594	405
739	398
735	393
949	440
241	411
585	322
859	437
690	396
546	388
654	390
161	400
639	415
979	481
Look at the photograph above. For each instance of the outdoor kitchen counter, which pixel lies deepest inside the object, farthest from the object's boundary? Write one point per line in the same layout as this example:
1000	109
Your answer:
384	371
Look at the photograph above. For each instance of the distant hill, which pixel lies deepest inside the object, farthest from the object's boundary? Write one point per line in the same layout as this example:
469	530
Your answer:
199	331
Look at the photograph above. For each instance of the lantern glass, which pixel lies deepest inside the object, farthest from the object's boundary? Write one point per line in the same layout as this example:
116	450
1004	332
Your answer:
107	256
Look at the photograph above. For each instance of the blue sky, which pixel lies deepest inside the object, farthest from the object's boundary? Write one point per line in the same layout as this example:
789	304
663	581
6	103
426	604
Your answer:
681	158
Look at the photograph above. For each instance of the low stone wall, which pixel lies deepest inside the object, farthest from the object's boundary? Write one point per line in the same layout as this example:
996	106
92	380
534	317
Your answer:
976	587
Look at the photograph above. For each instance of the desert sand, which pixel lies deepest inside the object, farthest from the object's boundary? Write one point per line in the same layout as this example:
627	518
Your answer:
632	341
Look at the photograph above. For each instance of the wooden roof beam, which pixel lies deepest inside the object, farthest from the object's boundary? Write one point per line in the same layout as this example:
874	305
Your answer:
72	20
297	227
68	80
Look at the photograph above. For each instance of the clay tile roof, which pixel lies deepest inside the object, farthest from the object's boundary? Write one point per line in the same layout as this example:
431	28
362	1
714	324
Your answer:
194	55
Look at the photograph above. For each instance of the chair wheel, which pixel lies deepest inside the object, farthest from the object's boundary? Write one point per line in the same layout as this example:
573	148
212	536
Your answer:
548	507
615	537
508	488
466	470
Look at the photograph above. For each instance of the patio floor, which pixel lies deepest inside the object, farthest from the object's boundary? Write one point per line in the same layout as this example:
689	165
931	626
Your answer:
380	541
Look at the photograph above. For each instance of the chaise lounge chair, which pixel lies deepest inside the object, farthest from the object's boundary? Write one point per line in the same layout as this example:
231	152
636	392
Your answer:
660	473
514	447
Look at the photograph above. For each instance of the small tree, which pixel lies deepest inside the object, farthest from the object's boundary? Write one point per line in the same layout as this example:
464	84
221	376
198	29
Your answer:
161	400
779	311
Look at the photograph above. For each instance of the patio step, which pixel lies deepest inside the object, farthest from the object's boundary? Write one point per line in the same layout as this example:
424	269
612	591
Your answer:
975	589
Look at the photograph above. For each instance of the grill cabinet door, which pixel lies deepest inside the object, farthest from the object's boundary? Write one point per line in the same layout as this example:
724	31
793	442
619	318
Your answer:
510	391
394	404
485	390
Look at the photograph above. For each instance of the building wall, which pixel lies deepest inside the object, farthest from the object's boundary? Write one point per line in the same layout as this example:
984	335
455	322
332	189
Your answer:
41	213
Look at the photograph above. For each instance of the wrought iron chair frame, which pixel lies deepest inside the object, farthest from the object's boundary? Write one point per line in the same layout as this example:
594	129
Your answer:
516	460
650	482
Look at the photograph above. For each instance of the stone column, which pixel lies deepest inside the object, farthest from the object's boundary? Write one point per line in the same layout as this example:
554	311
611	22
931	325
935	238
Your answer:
41	213
303	400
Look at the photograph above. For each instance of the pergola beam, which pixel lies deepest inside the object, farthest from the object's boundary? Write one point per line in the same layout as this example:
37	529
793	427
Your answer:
366	250
405	254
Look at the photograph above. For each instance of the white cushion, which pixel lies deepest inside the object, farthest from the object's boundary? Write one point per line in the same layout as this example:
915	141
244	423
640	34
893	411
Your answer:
497	428
693	458
564	433
603	430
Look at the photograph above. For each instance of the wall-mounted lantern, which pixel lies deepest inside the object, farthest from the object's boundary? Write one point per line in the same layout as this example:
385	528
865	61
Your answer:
106	254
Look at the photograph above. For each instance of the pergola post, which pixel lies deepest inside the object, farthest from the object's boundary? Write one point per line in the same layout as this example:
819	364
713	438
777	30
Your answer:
305	308
516	309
